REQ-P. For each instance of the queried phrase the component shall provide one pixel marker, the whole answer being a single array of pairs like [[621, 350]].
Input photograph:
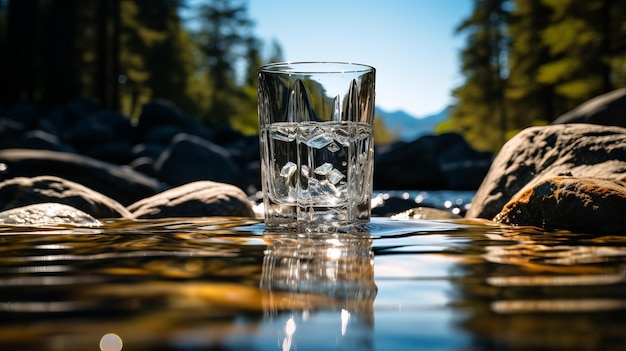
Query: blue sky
[[411, 43]]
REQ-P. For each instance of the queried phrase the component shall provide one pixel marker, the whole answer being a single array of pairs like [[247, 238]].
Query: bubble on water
[[324, 169], [335, 176], [333, 147], [318, 139], [288, 169]]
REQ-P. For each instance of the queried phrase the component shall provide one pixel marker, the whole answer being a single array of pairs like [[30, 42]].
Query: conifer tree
[[480, 112], [529, 101]]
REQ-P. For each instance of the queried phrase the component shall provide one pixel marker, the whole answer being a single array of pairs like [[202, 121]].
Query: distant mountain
[[408, 127]]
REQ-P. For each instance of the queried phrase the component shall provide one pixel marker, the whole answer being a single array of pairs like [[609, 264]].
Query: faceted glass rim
[[316, 67]]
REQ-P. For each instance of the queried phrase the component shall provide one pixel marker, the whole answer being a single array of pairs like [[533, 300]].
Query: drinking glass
[[316, 136]]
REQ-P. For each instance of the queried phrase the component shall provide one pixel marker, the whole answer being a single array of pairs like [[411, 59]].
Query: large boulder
[[105, 135], [581, 204], [607, 109], [191, 158], [539, 153], [197, 199], [444, 161], [22, 191], [120, 183], [160, 121]]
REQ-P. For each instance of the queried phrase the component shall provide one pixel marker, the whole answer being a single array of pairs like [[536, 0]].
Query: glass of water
[[315, 130]]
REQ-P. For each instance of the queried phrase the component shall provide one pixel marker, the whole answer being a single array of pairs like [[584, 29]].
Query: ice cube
[[304, 170], [327, 189], [314, 188], [324, 169], [335, 176], [288, 169], [318, 139]]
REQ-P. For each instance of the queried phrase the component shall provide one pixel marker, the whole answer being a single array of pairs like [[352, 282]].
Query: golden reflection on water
[[216, 283]]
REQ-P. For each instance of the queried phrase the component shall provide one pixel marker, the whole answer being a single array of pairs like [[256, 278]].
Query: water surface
[[229, 284]]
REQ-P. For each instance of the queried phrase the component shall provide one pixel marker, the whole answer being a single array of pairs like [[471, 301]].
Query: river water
[[230, 284]]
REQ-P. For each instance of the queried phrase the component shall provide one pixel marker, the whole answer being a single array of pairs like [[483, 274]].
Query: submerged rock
[[197, 199], [23, 191], [46, 214], [581, 204], [539, 153]]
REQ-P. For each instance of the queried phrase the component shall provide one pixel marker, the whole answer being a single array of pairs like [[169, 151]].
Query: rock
[[103, 134], [46, 214], [39, 139], [537, 153], [117, 182], [23, 114], [61, 120], [21, 191], [590, 205], [13, 122], [443, 161], [607, 109], [245, 152], [197, 199], [190, 158], [160, 120]]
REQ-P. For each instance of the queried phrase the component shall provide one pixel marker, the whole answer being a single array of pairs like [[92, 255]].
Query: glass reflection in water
[[319, 289]]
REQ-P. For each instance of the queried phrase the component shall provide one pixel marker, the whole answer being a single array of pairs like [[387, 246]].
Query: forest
[[525, 62]]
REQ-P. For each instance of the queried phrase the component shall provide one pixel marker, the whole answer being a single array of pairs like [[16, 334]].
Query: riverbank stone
[[581, 204], [196, 199], [120, 183], [47, 214], [539, 153], [25, 191], [607, 109], [444, 161]]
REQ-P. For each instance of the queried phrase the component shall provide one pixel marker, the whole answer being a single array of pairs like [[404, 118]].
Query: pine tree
[[480, 112], [529, 101]]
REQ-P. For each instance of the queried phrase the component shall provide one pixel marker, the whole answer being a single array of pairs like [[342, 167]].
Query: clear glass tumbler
[[316, 134]]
